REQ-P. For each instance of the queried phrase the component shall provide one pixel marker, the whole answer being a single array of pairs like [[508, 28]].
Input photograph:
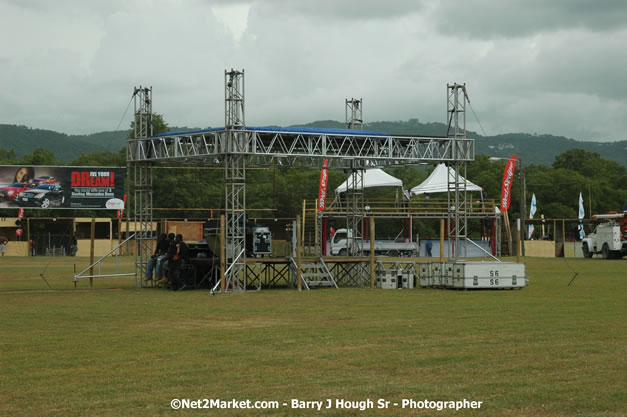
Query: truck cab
[[339, 243]]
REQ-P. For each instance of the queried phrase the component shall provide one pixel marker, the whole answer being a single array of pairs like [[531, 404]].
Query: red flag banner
[[322, 190], [20, 213], [121, 211], [508, 178]]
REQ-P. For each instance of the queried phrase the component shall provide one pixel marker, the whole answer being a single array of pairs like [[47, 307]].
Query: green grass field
[[547, 350]]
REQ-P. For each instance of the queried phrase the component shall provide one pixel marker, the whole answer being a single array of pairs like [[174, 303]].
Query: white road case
[[489, 275], [425, 275], [387, 279], [437, 280], [407, 278], [447, 274]]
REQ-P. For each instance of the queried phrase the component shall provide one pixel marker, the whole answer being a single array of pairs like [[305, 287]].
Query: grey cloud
[[341, 10], [69, 6], [517, 18], [587, 65], [302, 59], [574, 62]]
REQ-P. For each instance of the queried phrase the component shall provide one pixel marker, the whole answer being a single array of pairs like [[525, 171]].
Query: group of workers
[[170, 254]]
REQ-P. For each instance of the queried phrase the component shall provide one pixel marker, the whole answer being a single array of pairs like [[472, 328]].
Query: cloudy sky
[[533, 66]]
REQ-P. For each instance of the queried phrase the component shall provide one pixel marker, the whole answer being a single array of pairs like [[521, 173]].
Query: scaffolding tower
[[355, 186], [142, 182], [457, 196], [353, 112], [235, 180]]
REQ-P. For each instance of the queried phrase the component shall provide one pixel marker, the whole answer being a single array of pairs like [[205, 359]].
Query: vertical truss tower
[[355, 186], [355, 216], [142, 175], [457, 207], [235, 180], [354, 118]]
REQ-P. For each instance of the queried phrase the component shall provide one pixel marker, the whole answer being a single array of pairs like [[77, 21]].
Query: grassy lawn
[[547, 350]]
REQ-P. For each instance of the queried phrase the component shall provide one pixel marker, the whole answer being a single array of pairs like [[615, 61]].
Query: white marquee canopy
[[437, 182], [372, 178]]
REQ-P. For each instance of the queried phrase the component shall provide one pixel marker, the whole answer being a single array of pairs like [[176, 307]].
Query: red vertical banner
[[322, 190], [508, 178], [20, 213], [121, 212]]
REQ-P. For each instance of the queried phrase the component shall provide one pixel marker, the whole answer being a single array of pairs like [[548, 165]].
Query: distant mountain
[[24, 140], [532, 149]]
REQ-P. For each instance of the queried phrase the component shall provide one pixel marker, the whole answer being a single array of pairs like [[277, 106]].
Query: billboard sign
[[55, 187]]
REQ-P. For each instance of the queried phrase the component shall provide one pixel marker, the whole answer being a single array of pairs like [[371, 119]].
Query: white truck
[[339, 245], [607, 239]]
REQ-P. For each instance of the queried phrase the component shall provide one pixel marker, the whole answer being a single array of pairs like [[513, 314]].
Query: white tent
[[437, 182], [372, 178]]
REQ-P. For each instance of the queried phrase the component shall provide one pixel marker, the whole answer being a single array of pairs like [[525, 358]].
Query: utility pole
[[523, 207]]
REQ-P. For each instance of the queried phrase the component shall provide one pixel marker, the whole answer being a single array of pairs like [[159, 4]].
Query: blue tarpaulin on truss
[[315, 130]]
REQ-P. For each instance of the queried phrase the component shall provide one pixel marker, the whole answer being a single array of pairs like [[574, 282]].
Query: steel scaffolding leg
[[235, 205], [142, 195], [235, 181], [144, 233], [355, 218], [457, 213], [457, 207]]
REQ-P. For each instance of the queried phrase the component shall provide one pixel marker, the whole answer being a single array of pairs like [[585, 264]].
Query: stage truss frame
[[237, 147]]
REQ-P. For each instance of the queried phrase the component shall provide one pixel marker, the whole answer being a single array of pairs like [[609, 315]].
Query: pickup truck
[[339, 246]]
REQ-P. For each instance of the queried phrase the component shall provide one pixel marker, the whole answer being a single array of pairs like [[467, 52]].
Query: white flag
[[582, 213], [532, 211]]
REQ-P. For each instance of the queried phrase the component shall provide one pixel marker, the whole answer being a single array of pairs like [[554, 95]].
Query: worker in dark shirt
[[180, 257], [154, 262]]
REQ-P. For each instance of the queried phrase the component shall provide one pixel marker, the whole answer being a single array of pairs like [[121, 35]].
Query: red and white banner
[[322, 190], [508, 178], [20, 213], [121, 211]]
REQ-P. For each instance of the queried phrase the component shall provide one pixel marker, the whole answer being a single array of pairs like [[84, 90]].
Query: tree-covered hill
[[24, 140], [532, 149]]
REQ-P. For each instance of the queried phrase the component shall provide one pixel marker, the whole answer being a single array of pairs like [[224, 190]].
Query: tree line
[[603, 183]]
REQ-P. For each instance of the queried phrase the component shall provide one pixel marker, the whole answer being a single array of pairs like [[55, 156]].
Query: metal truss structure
[[356, 212], [236, 147], [269, 274], [142, 181], [457, 196], [355, 189], [272, 148], [235, 180], [354, 117], [355, 273]]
